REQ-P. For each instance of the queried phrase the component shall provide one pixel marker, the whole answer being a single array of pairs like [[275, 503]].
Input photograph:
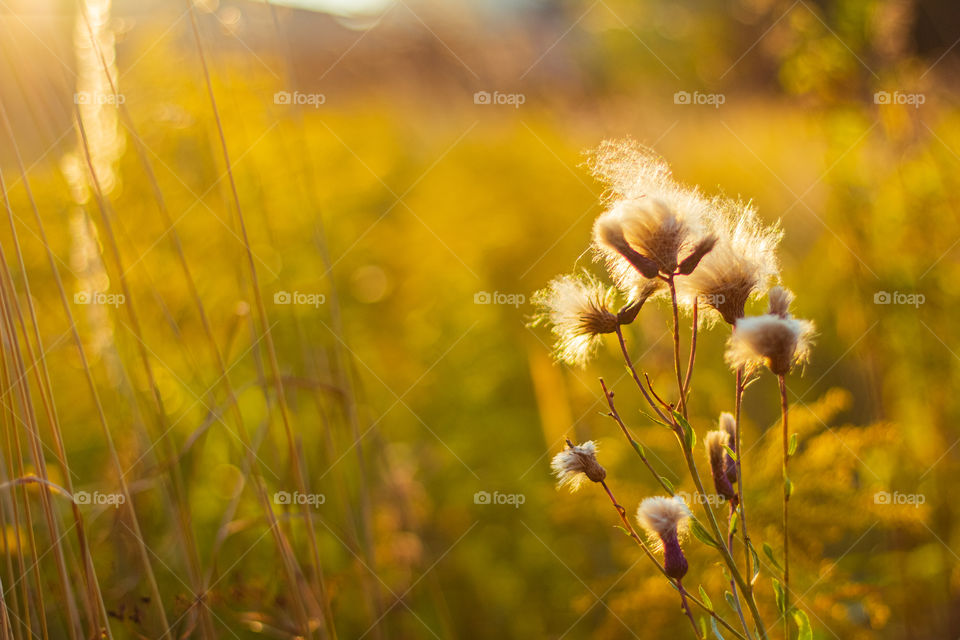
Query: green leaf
[[730, 452], [803, 624], [706, 598], [657, 420], [716, 630], [624, 530], [689, 435], [703, 627], [701, 534], [792, 447], [734, 520], [788, 487], [730, 600], [668, 484], [768, 550], [756, 562], [780, 595], [638, 448]]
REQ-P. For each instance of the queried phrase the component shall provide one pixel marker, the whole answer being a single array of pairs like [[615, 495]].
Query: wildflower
[[715, 441], [742, 263], [728, 424], [575, 463], [655, 225], [667, 519], [578, 308], [777, 339]]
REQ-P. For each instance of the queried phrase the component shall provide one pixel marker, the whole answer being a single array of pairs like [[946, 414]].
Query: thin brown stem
[[636, 377], [681, 403], [738, 405], [693, 353], [636, 445], [686, 608], [733, 583], [786, 500]]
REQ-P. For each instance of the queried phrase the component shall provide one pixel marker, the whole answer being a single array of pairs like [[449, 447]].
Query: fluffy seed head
[[654, 224], [779, 343], [780, 301], [728, 425], [666, 519], [742, 263], [663, 517], [715, 441], [578, 311], [575, 463]]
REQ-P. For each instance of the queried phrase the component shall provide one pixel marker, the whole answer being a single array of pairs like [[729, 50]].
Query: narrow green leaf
[[731, 453], [734, 520], [756, 563], [792, 447], [706, 598], [657, 420], [701, 534], [716, 630], [803, 624], [768, 550], [624, 530], [689, 435], [730, 600], [788, 487], [778, 592], [668, 484], [703, 627], [638, 448]]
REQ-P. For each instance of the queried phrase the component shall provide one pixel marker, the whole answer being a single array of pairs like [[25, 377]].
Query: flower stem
[[733, 583], [686, 608], [739, 448], [786, 500], [636, 377], [636, 445], [681, 402], [693, 354]]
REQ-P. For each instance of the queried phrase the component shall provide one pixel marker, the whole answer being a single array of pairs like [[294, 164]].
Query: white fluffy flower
[[578, 310], [777, 342], [576, 463]]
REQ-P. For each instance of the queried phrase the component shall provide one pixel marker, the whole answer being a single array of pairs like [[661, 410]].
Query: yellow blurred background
[[408, 174]]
